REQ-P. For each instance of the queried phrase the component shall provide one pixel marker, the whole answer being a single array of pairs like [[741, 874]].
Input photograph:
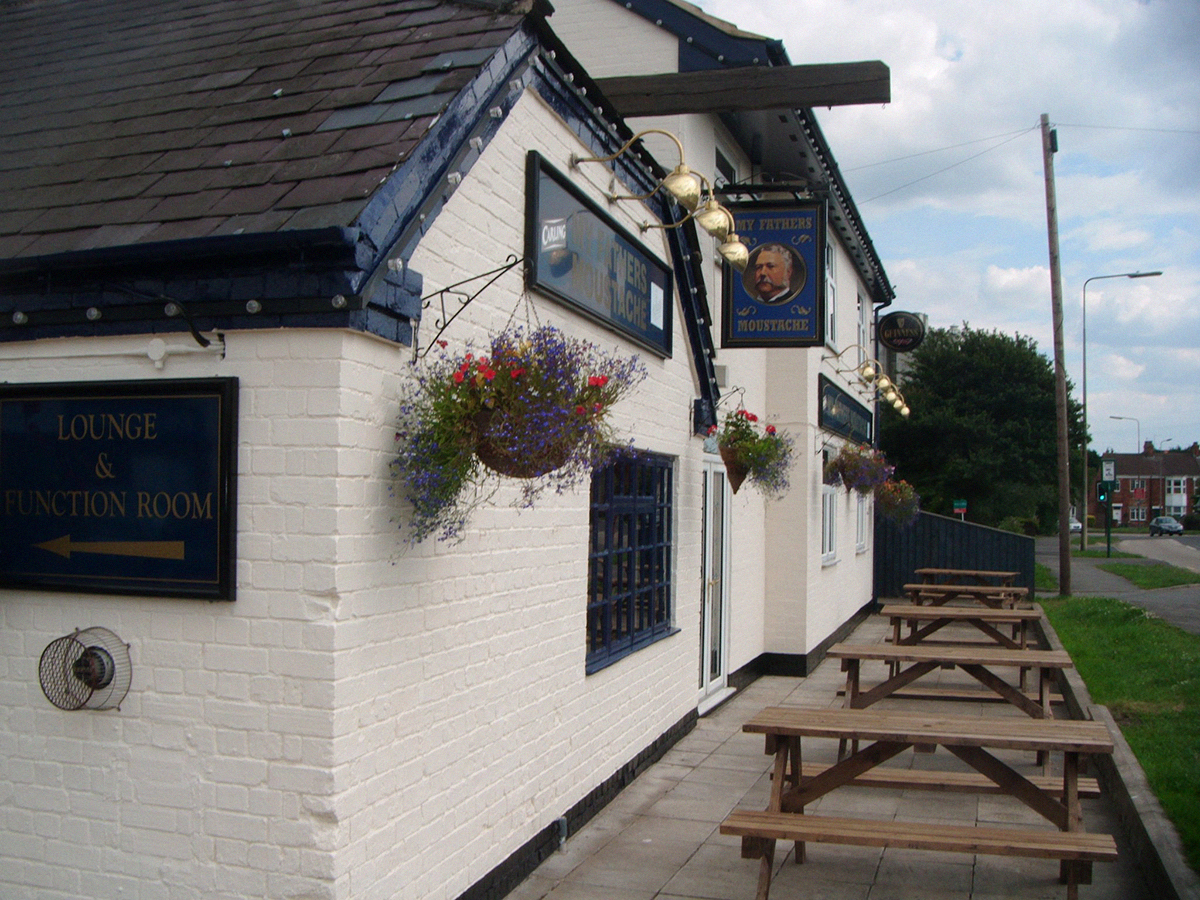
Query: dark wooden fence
[[945, 543]]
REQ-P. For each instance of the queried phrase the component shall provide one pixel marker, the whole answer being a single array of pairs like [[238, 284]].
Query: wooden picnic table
[[924, 621], [994, 595], [980, 576], [973, 740], [976, 661]]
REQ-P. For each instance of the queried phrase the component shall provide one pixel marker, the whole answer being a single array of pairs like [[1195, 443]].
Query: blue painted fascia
[[402, 210], [702, 45]]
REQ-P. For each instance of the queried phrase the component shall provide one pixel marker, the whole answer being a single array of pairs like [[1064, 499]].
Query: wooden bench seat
[[962, 613], [994, 595], [998, 841], [760, 829], [959, 695], [933, 780]]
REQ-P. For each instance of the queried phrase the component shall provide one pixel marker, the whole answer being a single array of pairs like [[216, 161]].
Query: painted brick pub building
[[226, 231]]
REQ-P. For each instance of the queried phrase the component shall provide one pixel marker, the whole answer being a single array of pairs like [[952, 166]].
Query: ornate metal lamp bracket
[[447, 311]]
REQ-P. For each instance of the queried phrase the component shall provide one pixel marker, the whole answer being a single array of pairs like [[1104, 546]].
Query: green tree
[[982, 427]]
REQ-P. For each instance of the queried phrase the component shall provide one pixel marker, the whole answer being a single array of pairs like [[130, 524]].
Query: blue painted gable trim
[[703, 45], [567, 95]]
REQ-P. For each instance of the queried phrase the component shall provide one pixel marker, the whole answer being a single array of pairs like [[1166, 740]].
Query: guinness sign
[[900, 331]]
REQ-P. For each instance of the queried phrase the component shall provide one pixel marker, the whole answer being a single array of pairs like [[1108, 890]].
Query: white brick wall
[[363, 721]]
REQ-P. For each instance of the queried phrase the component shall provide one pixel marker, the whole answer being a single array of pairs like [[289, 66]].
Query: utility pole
[[1049, 148]]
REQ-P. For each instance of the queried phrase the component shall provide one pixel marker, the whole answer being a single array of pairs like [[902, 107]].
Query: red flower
[[458, 377], [597, 380], [580, 410], [597, 407], [517, 373], [443, 344], [770, 429], [712, 429]]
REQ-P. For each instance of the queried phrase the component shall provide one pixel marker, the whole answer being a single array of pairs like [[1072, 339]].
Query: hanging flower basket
[[858, 467], [534, 407], [898, 501], [735, 470], [522, 458], [764, 455]]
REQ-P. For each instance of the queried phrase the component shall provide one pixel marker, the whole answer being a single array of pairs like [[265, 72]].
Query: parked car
[[1075, 525], [1165, 525]]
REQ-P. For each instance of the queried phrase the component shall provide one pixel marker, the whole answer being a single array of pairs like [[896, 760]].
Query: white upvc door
[[714, 606]]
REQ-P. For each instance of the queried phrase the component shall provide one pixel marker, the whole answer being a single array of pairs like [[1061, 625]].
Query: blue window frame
[[629, 558]]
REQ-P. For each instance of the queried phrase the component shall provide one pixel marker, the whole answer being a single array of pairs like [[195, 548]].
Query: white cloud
[[962, 230]]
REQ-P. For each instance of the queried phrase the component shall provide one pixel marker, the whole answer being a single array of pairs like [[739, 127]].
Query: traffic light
[[1102, 491]]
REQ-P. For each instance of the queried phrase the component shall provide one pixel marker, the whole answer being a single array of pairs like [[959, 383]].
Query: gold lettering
[[108, 427]]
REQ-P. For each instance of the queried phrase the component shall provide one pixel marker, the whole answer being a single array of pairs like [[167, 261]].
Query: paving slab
[[663, 843]]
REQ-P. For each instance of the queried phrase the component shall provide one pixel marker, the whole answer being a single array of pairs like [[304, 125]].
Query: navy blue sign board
[[839, 412], [779, 300], [580, 255], [120, 487]]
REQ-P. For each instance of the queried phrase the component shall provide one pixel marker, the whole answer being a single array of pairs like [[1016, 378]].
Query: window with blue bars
[[629, 558]]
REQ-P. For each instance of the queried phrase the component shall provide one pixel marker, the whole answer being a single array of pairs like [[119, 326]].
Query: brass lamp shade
[[715, 219], [684, 185], [735, 252]]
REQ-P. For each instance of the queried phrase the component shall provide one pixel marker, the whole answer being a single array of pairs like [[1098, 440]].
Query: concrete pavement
[[659, 839]]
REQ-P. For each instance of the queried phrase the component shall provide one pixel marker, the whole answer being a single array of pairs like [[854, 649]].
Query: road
[[1178, 605]]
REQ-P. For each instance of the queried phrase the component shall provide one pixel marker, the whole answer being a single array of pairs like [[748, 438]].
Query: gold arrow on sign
[[145, 549]]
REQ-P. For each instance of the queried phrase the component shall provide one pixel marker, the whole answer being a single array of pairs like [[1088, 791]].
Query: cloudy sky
[[950, 181]]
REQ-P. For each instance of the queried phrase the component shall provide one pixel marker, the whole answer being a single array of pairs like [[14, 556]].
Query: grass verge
[[1154, 575], [1147, 673]]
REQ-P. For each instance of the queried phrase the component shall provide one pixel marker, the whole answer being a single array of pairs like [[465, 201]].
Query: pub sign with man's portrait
[[779, 300]]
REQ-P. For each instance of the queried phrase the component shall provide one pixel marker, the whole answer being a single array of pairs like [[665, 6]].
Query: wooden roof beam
[[750, 88]]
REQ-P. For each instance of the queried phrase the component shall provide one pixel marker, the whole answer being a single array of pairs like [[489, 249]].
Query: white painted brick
[[310, 738]]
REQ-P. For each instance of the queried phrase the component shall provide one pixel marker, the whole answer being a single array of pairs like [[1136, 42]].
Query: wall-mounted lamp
[[870, 374], [688, 188], [683, 184]]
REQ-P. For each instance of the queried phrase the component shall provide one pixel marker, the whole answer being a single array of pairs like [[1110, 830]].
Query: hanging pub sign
[[900, 331], [576, 252], [839, 412], [119, 487], [779, 300]]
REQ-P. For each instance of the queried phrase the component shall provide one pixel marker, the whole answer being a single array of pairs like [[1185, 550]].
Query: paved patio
[[659, 838]]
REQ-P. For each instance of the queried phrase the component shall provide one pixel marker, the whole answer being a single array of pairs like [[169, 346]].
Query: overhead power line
[[884, 162], [1013, 136]]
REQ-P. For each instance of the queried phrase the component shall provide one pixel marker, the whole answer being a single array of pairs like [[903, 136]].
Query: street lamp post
[[1139, 429], [1083, 494]]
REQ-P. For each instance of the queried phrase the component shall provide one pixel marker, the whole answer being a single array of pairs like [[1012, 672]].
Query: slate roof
[[143, 121]]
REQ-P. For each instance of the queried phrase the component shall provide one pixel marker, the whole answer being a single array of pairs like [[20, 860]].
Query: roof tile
[[173, 125]]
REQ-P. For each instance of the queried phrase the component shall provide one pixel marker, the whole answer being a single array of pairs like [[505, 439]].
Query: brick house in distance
[[1152, 483]]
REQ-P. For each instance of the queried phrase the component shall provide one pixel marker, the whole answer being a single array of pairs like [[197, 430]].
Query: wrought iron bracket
[[447, 312]]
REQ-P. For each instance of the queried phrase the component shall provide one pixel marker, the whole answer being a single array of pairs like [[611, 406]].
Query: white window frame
[[862, 523], [829, 497], [830, 289], [864, 328]]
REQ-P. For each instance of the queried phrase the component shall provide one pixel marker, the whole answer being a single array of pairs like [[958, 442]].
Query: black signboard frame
[[795, 315], [839, 412], [581, 256], [120, 487]]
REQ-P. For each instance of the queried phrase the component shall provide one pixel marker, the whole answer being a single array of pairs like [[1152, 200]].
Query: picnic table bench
[[978, 662], [981, 576], [924, 621], [971, 739], [994, 595]]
